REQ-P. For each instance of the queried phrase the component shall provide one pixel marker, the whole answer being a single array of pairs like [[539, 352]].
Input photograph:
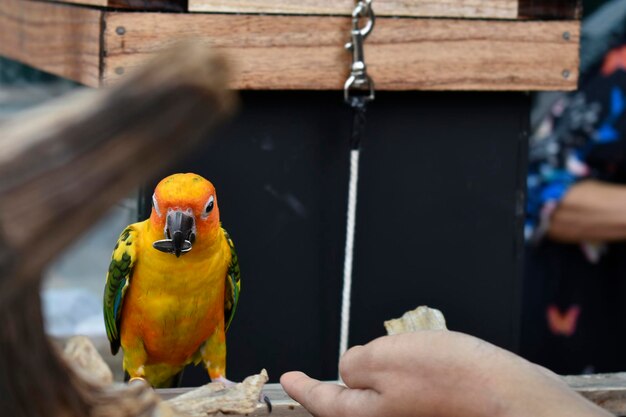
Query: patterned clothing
[[581, 138], [574, 317]]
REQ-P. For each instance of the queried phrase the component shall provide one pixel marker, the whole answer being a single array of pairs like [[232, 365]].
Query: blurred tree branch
[[61, 167]]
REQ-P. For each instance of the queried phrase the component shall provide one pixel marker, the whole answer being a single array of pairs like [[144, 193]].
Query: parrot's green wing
[[233, 284], [118, 280]]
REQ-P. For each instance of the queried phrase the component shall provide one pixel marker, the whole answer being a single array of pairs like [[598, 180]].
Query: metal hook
[[363, 9], [359, 80]]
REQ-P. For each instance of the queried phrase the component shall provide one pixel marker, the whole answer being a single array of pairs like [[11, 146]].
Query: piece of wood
[[306, 52], [156, 5], [297, 52], [422, 318], [606, 390], [61, 168], [82, 355], [484, 9], [282, 404], [215, 397], [96, 3], [467, 9], [60, 39]]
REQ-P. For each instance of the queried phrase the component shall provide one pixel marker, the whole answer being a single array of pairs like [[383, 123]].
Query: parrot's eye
[[156, 205], [209, 205]]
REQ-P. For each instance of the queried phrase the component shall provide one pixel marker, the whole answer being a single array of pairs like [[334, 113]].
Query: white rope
[[349, 252]]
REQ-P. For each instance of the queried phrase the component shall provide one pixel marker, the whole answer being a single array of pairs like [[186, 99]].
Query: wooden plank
[[606, 390], [97, 3], [306, 52], [59, 39], [155, 5], [496, 9]]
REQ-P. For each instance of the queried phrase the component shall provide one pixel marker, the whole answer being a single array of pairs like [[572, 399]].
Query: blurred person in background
[[574, 312]]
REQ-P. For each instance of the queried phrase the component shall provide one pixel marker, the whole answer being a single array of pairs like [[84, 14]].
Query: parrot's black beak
[[180, 228]]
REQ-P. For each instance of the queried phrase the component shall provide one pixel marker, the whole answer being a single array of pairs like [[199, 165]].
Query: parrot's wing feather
[[233, 284], [118, 279]]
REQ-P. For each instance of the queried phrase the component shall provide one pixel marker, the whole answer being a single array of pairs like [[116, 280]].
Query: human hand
[[438, 374]]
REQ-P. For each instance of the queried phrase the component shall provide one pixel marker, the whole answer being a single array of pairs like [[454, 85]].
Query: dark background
[[439, 220]]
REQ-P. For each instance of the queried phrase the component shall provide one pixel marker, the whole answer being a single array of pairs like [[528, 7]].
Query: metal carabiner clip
[[363, 9], [359, 80]]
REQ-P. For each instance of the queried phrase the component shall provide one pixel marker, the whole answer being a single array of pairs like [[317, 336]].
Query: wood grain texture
[[606, 390], [306, 52], [215, 397], [282, 404], [496, 9], [155, 5], [60, 39], [97, 3]]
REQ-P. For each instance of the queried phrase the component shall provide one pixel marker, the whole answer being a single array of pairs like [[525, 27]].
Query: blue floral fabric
[[581, 137]]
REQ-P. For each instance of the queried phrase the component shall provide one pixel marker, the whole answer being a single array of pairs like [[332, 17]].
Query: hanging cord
[[358, 91]]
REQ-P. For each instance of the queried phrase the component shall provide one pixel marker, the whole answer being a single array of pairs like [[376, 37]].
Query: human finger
[[357, 368], [324, 399]]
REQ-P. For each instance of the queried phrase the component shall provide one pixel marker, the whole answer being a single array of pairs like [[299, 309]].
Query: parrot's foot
[[228, 383]]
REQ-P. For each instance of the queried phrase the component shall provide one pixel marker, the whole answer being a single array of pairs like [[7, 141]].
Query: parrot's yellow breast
[[174, 304]]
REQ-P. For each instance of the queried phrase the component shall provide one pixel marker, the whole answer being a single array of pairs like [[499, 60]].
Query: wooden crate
[[288, 44]]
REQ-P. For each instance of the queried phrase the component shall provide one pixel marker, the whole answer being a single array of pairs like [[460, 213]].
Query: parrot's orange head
[[184, 206]]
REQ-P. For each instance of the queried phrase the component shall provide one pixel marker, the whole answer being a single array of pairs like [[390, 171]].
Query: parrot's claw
[[265, 399]]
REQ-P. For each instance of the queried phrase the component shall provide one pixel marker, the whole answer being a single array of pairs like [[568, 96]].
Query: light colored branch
[[138, 399], [212, 398], [83, 357]]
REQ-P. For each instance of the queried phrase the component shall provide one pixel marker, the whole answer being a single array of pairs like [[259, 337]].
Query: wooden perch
[[61, 168], [81, 354], [212, 398]]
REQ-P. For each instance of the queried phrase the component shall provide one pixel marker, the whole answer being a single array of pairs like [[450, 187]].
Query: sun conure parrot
[[173, 285]]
